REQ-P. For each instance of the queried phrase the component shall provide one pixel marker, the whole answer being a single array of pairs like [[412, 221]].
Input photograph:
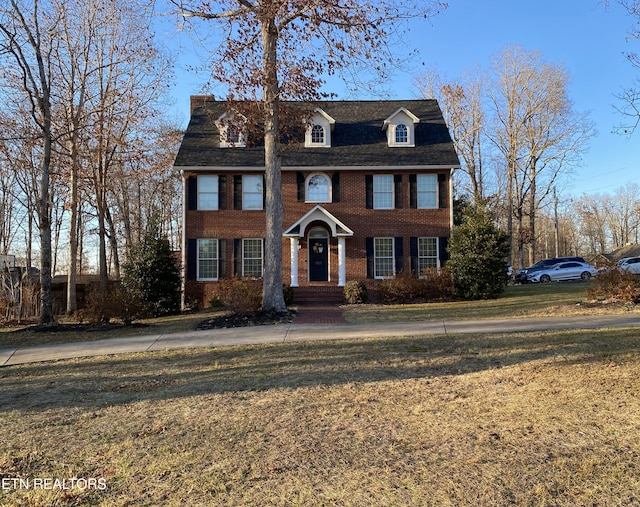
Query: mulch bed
[[259, 318]]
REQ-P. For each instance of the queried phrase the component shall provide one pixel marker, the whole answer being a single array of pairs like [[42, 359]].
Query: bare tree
[[26, 36], [630, 96], [275, 50], [462, 106], [538, 133]]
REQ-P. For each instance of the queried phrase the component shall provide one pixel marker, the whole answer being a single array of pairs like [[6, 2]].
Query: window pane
[[318, 189], [252, 257], [427, 191], [383, 191], [317, 134], [207, 192], [402, 134], [383, 257], [207, 259], [252, 192], [427, 253]]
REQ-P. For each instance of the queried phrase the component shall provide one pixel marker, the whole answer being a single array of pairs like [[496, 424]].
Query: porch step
[[315, 295]]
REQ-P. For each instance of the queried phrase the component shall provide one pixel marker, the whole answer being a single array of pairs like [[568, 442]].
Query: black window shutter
[[413, 248], [300, 184], [399, 255], [237, 257], [370, 258], [222, 192], [335, 187], [222, 257], [264, 191], [443, 255], [443, 194], [192, 259], [192, 193], [413, 191], [397, 188], [237, 192], [369, 190]]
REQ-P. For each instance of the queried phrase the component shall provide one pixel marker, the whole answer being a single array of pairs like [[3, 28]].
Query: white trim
[[293, 243], [342, 264], [321, 214]]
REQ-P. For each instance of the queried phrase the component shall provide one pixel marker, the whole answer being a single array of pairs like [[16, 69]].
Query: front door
[[318, 259]]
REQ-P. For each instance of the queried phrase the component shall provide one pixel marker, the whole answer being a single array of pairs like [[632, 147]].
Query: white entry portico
[[300, 229]]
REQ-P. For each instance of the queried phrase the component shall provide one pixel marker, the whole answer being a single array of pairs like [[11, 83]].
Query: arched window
[[318, 188], [317, 134], [402, 134]]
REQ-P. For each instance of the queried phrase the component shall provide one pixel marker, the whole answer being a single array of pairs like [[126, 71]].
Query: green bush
[[477, 251], [615, 285], [355, 292], [152, 273]]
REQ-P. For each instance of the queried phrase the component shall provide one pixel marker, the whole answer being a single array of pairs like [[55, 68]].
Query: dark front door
[[318, 259]]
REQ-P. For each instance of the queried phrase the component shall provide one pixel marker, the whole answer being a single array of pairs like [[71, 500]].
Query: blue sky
[[581, 35]]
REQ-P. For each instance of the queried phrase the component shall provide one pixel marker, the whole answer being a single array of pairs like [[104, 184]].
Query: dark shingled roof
[[357, 139]]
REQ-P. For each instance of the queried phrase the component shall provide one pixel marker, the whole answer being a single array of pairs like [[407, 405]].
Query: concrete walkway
[[300, 332]]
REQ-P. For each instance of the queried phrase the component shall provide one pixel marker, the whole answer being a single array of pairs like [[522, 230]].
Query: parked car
[[630, 265], [522, 275], [564, 271]]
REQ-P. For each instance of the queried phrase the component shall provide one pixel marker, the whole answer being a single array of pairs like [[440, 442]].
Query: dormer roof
[[392, 118]]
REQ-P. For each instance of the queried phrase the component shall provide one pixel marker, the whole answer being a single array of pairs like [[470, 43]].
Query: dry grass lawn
[[531, 419]]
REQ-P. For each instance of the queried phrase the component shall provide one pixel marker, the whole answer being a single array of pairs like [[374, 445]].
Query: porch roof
[[318, 213]]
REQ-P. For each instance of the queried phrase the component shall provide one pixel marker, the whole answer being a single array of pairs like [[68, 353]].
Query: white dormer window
[[401, 128], [402, 134], [231, 130], [318, 134]]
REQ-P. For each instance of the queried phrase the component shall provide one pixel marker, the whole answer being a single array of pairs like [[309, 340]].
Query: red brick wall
[[351, 210]]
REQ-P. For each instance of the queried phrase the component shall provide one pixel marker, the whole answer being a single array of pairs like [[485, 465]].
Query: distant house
[[366, 189]]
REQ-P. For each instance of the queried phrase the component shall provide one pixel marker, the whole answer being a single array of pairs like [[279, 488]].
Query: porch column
[[342, 267], [294, 261]]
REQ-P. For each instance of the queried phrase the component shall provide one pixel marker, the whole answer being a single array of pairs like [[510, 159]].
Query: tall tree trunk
[[272, 295], [72, 300], [46, 306]]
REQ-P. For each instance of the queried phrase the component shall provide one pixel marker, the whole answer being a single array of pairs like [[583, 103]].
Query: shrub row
[[615, 285]]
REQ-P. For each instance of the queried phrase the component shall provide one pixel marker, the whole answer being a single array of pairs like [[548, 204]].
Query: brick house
[[366, 193]]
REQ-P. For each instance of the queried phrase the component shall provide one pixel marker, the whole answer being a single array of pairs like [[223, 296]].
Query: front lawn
[[545, 418]]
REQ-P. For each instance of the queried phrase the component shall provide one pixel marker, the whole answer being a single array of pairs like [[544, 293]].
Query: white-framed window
[[318, 188], [317, 134], [208, 257], [207, 192], [232, 130], [427, 190], [383, 191], [402, 134], [384, 258], [252, 192], [427, 254], [252, 257]]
